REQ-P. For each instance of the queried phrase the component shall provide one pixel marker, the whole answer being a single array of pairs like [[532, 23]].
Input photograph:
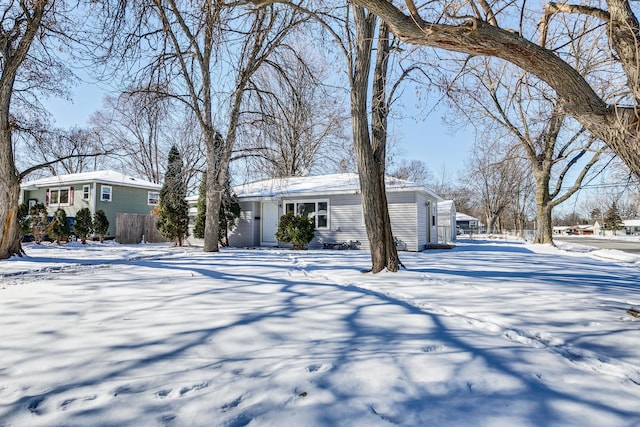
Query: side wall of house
[[244, 234], [346, 221], [403, 212], [123, 200], [422, 221]]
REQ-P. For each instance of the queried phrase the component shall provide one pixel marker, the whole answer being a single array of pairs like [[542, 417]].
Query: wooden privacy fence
[[130, 228]]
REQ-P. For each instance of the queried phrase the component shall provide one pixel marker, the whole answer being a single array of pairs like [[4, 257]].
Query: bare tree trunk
[[9, 191], [544, 230], [15, 43], [371, 150]]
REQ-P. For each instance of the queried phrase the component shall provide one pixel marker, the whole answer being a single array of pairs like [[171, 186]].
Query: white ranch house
[[335, 204]]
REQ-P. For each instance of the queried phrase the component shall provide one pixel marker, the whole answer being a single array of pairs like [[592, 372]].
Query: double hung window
[[105, 193]]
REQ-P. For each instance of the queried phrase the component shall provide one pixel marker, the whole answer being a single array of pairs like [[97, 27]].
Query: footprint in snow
[[34, 405], [167, 419], [319, 367], [434, 348], [233, 404], [195, 387], [68, 402], [163, 393]]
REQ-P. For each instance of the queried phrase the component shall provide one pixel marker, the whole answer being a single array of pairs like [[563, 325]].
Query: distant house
[[334, 202], [572, 230], [632, 226], [467, 224], [111, 191], [446, 221]]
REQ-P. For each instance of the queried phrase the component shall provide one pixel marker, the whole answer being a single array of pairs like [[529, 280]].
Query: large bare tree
[[20, 25], [143, 127], [205, 55], [296, 121], [497, 178], [366, 45], [474, 27], [517, 107], [486, 28]]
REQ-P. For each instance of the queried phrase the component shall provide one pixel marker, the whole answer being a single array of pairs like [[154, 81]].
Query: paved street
[[622, 245]]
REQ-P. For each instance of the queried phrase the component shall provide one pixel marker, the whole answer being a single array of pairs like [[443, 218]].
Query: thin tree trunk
[[213, 195]]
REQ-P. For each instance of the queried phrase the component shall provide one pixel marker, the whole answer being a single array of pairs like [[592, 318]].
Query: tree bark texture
[[543, 206]]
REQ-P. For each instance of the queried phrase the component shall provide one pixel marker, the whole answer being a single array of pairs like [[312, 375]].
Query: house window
[[318, 210], [86, 192], [59, 196], [153, 198], [105, 193]]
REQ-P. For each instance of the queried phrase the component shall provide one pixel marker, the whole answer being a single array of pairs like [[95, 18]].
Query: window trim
[[86, 192], [102, 193], [58, 191], [295, 202], [149, 193]]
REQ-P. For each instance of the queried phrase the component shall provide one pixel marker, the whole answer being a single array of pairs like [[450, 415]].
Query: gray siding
[[402, 211], [243, 234], [346, 222]]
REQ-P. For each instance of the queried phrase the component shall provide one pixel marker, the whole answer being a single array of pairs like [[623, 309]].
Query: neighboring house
[[572, 230], [446, 221], [467, 224], [110, 191], [560, 230], [599, 230], [632, 226], [334, 203]]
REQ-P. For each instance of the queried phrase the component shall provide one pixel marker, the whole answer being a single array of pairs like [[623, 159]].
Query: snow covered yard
[[491, 333]]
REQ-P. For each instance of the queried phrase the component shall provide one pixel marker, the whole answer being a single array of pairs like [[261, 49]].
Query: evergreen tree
[[23, 218], [229, 214], [173, 212], [100, 224], [198, 226], [298, 230], [59, 227], [83, 226], [38, 221], [612, 220]]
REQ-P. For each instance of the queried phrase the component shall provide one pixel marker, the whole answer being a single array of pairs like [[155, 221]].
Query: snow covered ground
[[491, 333]]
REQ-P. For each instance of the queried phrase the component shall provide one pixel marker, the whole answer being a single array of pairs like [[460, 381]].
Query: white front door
[[269, 223]]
